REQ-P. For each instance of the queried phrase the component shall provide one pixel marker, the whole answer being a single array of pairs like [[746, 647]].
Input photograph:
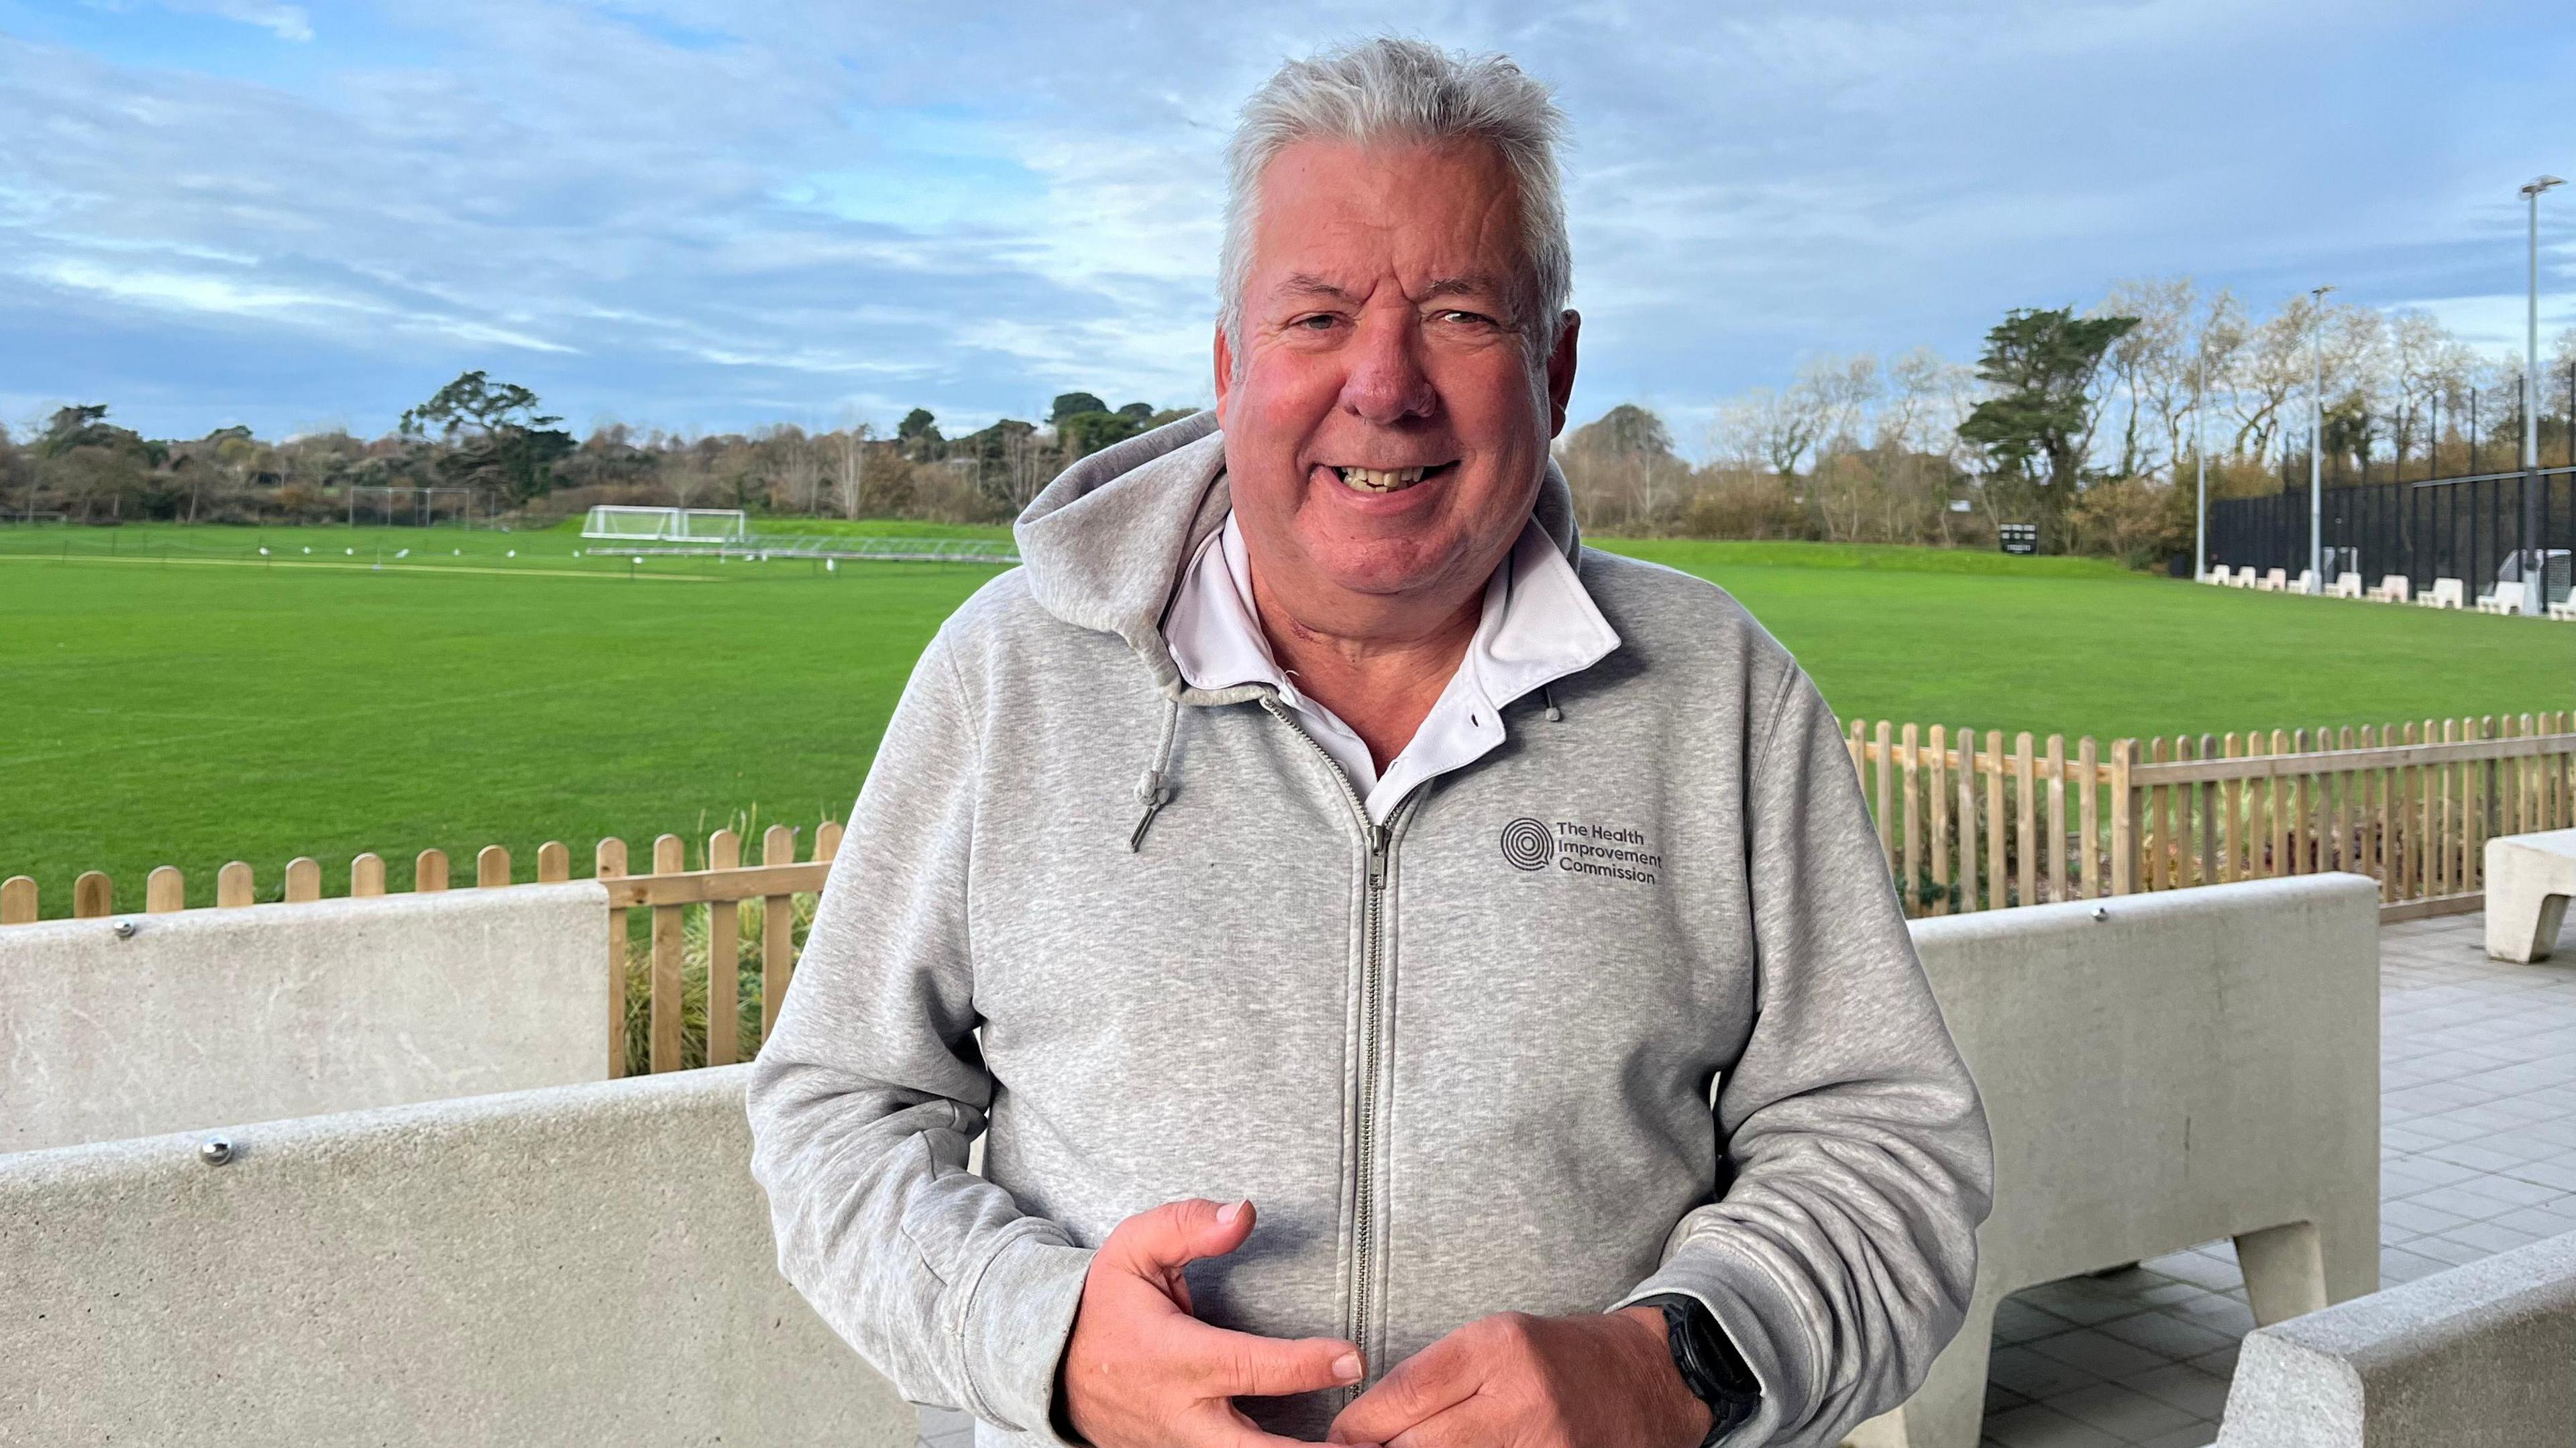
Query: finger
[[1431, 1381], [1226, 1427], [1174, 1234], [1243, 1364]]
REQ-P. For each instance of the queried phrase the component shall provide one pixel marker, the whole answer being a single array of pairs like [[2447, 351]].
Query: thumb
[[1177, 1233]]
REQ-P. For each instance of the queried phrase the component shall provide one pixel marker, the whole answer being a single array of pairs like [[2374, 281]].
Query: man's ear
[[1560, 371], [1225, 377]]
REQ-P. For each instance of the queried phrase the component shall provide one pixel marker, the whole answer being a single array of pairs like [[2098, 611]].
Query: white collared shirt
[[1538, 626]]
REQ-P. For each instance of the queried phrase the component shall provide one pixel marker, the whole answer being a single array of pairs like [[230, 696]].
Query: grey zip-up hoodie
[[1463, 1063]]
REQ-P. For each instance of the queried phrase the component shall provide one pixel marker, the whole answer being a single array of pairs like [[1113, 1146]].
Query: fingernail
[[1230, 1213], [1347, 1367]]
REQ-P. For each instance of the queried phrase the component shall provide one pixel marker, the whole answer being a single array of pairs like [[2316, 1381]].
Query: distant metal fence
[[2465, 528], [762, 548]]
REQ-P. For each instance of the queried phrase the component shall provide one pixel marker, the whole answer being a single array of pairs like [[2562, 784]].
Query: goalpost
[[619, 523], [424, 507]]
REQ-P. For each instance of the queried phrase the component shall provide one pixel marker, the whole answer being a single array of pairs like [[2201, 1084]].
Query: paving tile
[[2213, 1271], [2097, 1352], [2121, 1412], [2223, 1314], [2165, 1335], [2186, 1387], [2413, 1217], [2019, 1321], [2033, 1376], [2203, 1433], [2037, 1425], [2492, 1237], [2398, 1264]]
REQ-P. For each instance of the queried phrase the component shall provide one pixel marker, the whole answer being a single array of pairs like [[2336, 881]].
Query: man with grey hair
[[1417, 980]]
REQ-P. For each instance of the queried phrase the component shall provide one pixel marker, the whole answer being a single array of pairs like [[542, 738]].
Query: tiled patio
[[2477, 1156]]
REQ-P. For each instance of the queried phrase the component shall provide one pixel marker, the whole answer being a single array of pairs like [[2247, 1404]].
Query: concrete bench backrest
[[2195, 1064], [2481, 1356], [576, 1266], [208, 1017]]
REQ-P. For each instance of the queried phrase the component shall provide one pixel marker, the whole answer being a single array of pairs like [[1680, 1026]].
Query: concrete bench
[[2346, 585], [2306, 582], [2193, 1064], [576, 1266], [2481, 1356], [2275, 580], [2245, 576], [2445, 593], [2529, 878], [2393, 588], [140, 1024]]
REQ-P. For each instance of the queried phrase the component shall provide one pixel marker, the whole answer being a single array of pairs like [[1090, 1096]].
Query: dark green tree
[[494, 435], [917, 423], [1070, 404], [2034, 430]]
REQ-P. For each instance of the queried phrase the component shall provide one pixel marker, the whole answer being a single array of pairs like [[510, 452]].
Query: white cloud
[[679, 210]]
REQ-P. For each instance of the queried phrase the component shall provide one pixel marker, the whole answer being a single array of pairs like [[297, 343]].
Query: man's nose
[[1386, 382]]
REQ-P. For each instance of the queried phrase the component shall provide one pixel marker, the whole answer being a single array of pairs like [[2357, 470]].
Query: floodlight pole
[[2200, 464], [2535, 569], [2317, 445]]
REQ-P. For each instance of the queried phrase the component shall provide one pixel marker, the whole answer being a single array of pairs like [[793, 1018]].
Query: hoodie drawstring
[[1548, 692], [1151, 791]]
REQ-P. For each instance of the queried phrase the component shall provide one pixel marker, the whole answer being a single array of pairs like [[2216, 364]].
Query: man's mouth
[[1387, 480]]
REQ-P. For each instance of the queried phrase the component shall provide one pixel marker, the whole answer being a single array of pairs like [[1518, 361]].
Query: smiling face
[[1387, 432]]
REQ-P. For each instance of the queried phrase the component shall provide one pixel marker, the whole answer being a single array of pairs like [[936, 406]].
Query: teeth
[[1381, 480]]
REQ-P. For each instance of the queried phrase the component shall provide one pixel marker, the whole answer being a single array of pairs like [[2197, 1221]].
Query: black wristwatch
[[1709, 1364]]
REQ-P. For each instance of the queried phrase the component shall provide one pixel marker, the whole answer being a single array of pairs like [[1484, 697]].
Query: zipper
[[1380, 839]]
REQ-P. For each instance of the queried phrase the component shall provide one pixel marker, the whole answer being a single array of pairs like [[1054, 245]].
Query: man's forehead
[[1355, 288]]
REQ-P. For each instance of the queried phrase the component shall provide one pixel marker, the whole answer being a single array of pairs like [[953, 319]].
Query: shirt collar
[[1538, 625]]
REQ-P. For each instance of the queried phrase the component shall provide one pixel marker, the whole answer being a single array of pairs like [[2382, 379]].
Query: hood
[[1103, 545]]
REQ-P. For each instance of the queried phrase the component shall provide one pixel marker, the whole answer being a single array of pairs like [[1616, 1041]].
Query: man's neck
[[1379, 681]]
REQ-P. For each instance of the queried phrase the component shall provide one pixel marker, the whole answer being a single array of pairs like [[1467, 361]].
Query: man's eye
[[1466, 318], [1317, 323]]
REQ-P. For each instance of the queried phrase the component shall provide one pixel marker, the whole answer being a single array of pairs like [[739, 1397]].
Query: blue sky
[[706, 216]]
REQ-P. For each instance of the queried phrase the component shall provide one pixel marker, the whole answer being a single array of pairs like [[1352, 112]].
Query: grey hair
[[1390, 89]]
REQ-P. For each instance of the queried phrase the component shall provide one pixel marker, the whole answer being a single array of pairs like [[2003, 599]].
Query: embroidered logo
[[1526, 844], [1583, 847]]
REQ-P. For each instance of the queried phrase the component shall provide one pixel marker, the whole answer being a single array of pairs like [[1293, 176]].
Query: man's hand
[[1599, 1380], [1141, 1372]]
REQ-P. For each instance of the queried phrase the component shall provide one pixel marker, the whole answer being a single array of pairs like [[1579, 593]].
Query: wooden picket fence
[[667, 893], [1968, 822], [1971, 824]]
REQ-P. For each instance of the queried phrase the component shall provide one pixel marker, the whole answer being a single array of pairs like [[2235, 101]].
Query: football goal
[[620, 524]]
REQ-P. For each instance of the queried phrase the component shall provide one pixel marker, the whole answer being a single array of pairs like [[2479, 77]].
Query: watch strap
[[1708, 1363]]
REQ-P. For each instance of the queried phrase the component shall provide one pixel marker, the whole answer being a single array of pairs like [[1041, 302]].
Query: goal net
[[622, 524]]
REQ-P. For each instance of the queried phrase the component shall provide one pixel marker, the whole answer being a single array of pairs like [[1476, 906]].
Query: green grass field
[[170, 696]]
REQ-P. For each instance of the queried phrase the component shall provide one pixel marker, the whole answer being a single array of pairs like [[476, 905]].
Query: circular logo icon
[[1525, 844]]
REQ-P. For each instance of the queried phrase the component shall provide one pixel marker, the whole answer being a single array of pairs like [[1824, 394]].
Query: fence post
[[2124, 819], [93, 895], [2088, 765], [303, 879], [366, 875], [777, 930], [234, 886], [429, 872], [554, 863], [17, 900], [491, 868], [609, 863], [724, 954], [164, 890], [670, 857], [1936, 795], [1912, 826], [2057, 818], [1967, 738]]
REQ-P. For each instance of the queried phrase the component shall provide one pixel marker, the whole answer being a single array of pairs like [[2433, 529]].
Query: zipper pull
[[1377, 837]]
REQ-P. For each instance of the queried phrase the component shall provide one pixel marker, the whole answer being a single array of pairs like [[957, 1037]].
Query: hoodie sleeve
[[1841, 1257], [863, 1100]]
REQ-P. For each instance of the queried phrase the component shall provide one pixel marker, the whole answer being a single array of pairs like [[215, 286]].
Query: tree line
[[491, 441], [2086, 421]]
